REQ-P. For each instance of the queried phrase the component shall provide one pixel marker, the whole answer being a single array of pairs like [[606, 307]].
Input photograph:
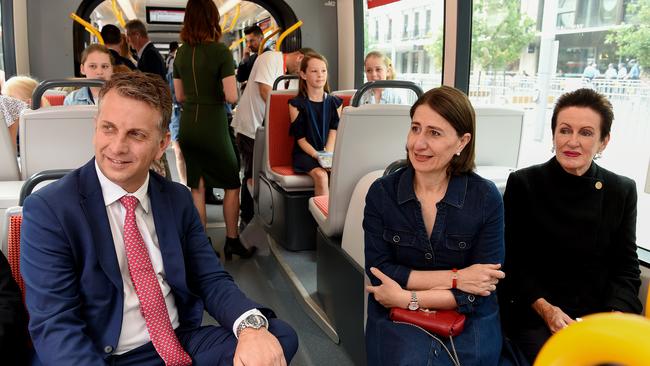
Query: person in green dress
[[204, 80]]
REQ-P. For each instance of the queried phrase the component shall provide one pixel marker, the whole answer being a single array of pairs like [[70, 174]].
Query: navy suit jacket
[[151, 61], [74, 291]]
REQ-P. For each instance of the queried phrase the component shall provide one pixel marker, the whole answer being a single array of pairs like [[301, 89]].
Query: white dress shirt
[[134, 331]]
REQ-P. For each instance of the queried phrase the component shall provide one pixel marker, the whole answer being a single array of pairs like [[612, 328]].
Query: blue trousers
[[208, 345]]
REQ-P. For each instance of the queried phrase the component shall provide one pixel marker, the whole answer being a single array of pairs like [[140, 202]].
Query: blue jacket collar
[[456, 190]]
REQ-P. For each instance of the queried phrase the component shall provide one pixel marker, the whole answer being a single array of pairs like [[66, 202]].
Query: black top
[[13, 319], [571, 240], [151, 61], [315, 120], [121, 60], [245, 67]]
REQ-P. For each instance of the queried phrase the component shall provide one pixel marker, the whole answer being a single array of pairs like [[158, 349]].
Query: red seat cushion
[[280, 143], [322, 202], [55, 99], [346, 99], [13, 251]]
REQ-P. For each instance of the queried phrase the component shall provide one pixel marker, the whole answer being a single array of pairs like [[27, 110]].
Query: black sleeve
[[13, 318], [152, 62], [298, 126], [245, 67], [624, 280]]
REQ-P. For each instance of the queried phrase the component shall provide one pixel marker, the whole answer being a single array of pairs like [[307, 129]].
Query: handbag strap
[[454, 356]]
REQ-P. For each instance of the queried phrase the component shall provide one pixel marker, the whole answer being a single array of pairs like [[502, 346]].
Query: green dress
[[204, 136]]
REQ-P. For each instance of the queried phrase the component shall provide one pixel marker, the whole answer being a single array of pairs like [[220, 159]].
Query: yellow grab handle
[[234, 20], [236, 43], [118, 13], [286, 33], [261, 48], [88, 27]]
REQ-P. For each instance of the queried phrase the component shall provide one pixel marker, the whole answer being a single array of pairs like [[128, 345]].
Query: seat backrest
[[8, 162], [56, 138], [369, 138], [279, 144], [353, 240], [498, 135], [11, 243], [345, 95]]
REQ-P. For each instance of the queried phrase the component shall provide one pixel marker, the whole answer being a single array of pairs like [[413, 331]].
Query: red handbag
[[444, 323]]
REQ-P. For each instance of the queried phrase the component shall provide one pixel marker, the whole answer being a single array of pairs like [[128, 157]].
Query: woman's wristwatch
[[413, 304]]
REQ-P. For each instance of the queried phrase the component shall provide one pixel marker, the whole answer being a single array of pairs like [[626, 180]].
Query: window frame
[[8, 39]]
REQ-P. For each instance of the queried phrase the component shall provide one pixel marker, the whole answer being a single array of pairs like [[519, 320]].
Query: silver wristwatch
[[252, 321], [413, 304]]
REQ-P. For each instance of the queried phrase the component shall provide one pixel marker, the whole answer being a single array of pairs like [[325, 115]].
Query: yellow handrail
[[234, 20], [223, 24], [236, 43], [118, 13], [88, 27], [286, 33], [261, 48]]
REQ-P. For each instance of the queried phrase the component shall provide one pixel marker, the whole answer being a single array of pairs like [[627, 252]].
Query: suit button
[[462, 245], [428, 256], [471, 298], [396, 239], [108, 349]]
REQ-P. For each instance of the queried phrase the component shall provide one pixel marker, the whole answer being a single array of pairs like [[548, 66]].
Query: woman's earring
[[553, 149], [458, 153], [598, 155]]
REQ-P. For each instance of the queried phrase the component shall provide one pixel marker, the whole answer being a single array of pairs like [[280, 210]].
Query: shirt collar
[[112, 192], [455, 195], [141, 50]]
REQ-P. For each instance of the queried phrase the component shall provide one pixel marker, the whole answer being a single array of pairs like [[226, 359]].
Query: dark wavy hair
[[454, 106], [201, 22], [587, 98]]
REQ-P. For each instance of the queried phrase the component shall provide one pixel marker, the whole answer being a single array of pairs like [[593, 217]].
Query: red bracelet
[[454, 277]]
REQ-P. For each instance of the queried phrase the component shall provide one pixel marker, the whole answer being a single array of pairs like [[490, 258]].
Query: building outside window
[[416, 25], [405, 29]]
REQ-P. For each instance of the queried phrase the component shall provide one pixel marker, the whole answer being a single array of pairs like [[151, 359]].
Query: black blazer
[[570, 240], [151, 61]]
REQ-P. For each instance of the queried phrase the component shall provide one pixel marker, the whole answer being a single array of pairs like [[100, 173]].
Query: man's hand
[[258, 347], [389, 293], [553, 316]]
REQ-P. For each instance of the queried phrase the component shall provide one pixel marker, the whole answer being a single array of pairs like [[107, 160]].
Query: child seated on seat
[[96, 63], [314, 119], [379, 67]]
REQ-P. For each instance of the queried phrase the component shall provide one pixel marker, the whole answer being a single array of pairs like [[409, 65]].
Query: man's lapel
[[92, 203]]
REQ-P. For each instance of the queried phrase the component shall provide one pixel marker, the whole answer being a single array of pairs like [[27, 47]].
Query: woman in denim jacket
[[422, 224]]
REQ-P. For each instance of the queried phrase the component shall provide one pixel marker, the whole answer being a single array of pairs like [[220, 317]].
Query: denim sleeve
[[377, 251], [489, 247]]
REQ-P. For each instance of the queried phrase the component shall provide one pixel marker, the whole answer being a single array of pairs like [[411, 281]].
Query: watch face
[[413, 306]]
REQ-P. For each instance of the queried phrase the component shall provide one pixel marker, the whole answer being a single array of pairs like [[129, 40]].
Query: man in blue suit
[[112, 282]]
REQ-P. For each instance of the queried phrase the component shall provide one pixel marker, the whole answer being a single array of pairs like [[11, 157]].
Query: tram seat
[[55, 99], [356, 153], [56, 138], [502, 125], [8, 161], [13, 219]]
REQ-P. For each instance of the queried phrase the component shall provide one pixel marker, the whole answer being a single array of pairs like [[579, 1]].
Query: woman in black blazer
[[570, 230]]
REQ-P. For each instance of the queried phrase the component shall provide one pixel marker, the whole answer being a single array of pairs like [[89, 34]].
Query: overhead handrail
[[380, 84], [261, 48], [88, 27], [118, 13], [55, 83], [286, 33], [37, 178], [283, 77], [236, 43], [234, 19], [223, 23]]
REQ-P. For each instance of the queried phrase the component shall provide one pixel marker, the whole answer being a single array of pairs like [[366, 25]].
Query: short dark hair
[[454, 106], [136, 25], [586, 98], [292, 43], [111, 34], [173, 46], [144, 87], [255, 30]]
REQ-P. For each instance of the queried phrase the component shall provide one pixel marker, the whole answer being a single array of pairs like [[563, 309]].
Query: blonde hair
[[22, 87], [390, 72]]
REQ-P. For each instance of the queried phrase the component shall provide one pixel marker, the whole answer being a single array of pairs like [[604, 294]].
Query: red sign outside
[[376, 3]]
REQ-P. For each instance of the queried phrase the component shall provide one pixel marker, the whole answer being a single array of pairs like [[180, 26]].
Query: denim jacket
[[81, 96], [468, 229]]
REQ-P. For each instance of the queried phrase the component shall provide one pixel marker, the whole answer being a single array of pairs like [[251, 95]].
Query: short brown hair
[[144, 87], [201, 22], [586, 98], [454, 106], [302, 84], [96, 47], [136, 25]]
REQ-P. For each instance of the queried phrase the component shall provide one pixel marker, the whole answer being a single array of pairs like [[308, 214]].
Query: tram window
[[2, 52], [513, 64], [416, 51]]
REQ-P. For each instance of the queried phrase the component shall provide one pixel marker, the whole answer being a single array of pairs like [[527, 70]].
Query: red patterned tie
[[152, 302]]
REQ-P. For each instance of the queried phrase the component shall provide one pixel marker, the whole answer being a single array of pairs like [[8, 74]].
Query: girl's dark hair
[[302, 83], [454, 106], [587, 98], [201, 22]]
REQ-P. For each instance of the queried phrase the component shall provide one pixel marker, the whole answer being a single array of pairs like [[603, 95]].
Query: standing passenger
[[379, 67], [314, 119], [113, 41], [204, 79], [254, 37], [175, 123], [424, 222], [96, 63], [149, 59], [252, 106]]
